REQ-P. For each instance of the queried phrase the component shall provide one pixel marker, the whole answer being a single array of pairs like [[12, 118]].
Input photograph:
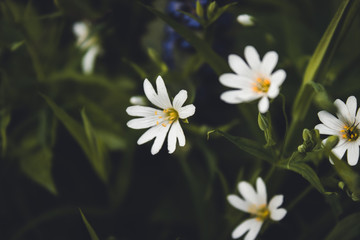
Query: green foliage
[[69, 147], [86, 138]]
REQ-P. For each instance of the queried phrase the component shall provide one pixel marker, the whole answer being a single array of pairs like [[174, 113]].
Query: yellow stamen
[[262, 213], [351, 133], [169, 117], [261, 85]]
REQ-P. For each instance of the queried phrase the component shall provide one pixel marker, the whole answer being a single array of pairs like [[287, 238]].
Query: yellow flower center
[[170, 115], [350, 133], [261, 85], [262, 213]]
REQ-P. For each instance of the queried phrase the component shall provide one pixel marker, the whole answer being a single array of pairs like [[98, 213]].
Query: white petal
[[186, 111], [278, 214], [343, 112], [234, 81], [273, 91], [238, 65], [339, 151], [330, 121], [141, 111], [254, 230], [263, 104], [351, 104], [80, 29], [358, 116], [140, 123], [159, 140], [261, 191], [269, 62], [245, 20], [175, 133], [353, 154], [278, 77], [248, 192], [275, 202], [252, 57], [323, 129], [149, 134], [180, 99], [162, 93], [251, 224], [151, 94], [238, 203], [88, 60], [238, 96]]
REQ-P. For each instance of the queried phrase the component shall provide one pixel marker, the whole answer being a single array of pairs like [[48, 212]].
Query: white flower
[[345, 126], [253, 80], [255, 203], [245, 20], [163, 120], [87, 43]]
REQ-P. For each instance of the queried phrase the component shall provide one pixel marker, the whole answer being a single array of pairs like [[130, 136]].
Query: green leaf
[[81, 136], [98, 153], [347, 229], [304, 170], [36, 164], [249, 146], [334, 33], [90, 229], [201, 46], [215, 13], [158, 61], [199, 9]]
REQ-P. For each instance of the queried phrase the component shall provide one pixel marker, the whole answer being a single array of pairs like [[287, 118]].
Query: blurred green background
[[65, 144]]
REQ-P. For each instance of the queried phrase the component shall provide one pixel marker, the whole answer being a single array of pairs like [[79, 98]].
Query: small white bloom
[[138, 100], [163, 120], [87, 43], [345, 126], [245, 20], [255, 203], [253, 80]]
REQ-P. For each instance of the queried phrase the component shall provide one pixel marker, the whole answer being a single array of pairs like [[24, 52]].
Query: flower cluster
[[252, 78]]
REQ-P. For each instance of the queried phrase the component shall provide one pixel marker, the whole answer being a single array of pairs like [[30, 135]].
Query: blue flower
[[172, 38]]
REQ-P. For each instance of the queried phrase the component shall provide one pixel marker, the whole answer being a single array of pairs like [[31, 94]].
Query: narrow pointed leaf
[[97, 158], [304, 170], [90, 229], [80, 135], [36, 164]]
